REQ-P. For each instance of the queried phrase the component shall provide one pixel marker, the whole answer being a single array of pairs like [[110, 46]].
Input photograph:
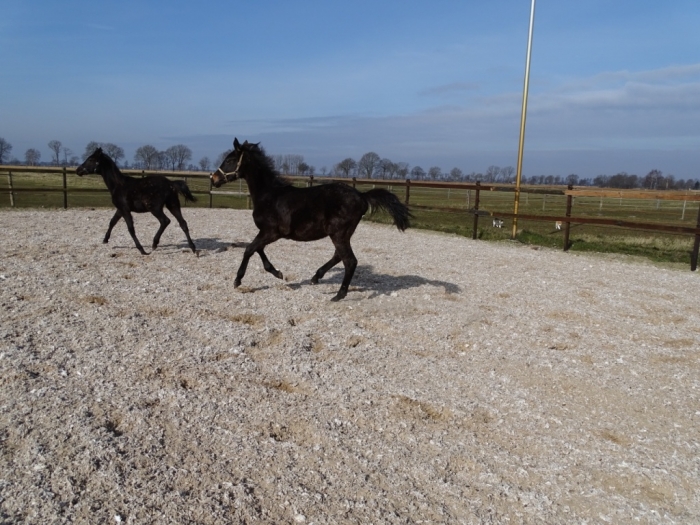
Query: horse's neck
[[259, 185], [112, 176]]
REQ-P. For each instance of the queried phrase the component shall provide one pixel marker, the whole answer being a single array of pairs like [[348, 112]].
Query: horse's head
[[233, 166], [91, 164]]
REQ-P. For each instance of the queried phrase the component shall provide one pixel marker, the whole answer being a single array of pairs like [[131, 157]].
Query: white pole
[[523, 114]]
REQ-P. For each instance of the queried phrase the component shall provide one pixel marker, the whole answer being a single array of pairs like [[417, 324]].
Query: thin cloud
[[456, 88]]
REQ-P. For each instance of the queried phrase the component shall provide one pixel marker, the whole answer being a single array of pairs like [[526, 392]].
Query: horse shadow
[[366, 279], [209, 245]]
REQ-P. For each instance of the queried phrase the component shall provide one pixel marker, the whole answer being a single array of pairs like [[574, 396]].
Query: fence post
[[210, 195], [696, 246], [185, 200], [476, 210], [354, 181], [567, 228], [408, 191], [311, 180], [9, 183], [65, 190]]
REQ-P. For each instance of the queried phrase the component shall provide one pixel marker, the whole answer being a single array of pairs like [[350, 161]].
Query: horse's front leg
[[257, 245], [130, 226], [268, 265], [112, 223]]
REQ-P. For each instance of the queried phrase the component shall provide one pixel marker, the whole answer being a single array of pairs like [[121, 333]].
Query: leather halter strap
[[232, 175]]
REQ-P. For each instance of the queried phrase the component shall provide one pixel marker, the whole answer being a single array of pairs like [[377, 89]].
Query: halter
[[232, 175]]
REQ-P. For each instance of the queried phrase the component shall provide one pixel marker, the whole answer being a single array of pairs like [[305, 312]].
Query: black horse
[[130, 194], [281, 211]]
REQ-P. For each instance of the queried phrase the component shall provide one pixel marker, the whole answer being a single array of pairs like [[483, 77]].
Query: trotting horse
[[129, 194], [281, 211]]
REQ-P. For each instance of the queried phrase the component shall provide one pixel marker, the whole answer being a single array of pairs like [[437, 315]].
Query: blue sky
[[615, 85]]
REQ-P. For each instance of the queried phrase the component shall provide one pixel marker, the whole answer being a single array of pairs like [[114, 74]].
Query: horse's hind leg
[[175, 210], [164, 221], [112, 223], [343, 249], [323, 269], [130, 226]]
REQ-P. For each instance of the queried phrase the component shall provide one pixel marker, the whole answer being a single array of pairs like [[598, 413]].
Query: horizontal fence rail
[[471, 193]]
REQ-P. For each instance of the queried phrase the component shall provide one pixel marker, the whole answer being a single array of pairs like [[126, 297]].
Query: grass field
[[656, 246]]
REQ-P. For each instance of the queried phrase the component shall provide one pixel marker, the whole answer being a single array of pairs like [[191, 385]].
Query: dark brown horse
[[281, 211], [148, 194]]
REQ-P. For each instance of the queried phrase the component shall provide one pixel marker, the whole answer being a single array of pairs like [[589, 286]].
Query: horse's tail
[[182, 188], [387, 201]]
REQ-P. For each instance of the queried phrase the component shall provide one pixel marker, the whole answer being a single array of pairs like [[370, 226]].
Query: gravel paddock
[[459, 382]]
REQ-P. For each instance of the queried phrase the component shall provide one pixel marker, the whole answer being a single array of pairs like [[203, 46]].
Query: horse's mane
[[268, 170]]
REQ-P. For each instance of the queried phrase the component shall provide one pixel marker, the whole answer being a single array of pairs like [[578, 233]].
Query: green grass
[[655, 246]]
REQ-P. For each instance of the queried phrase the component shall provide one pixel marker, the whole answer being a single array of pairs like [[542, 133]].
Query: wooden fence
[[473, 208]]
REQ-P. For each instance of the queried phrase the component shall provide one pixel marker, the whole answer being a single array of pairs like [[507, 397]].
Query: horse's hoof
[[279, 275], [314, 280], [236, 283]]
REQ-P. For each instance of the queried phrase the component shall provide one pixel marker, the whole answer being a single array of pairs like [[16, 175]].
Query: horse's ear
[[236, 144]]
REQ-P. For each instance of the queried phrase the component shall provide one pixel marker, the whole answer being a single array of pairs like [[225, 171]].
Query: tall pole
[[523, 114]]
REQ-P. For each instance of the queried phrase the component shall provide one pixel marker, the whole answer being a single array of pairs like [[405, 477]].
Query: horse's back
[[309, 214], [148, 193]]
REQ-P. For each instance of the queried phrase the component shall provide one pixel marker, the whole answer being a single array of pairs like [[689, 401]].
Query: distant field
[[653, 245]]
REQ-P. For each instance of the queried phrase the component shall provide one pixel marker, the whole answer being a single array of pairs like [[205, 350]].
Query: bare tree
[[456, 174], [177, 156], [652, 178], [492, 173], [385, 168], [32, 157], [435, 173], [507, 174], [67, 152], [55, 146], [114, 151], [572, 179], [5, 150], [368, 164], [147, 157], [204, 163], [303, 168], [345, 167], [293, 162], [402, 170], [417, 173]]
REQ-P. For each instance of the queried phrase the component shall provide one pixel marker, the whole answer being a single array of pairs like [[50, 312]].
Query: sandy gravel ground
[[459, 382]]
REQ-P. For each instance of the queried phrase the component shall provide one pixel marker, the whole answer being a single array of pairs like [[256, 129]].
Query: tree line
[[369, 166]]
